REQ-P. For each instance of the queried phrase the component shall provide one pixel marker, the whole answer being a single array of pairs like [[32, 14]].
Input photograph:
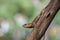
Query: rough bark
[[41, 23]]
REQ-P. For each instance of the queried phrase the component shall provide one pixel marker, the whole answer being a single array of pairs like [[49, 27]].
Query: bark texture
[[41, 23]]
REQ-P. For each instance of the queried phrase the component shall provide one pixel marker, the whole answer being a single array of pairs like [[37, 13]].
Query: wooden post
[[42, 21]]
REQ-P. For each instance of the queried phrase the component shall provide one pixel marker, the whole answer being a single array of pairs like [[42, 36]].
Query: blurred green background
[[15, 13]]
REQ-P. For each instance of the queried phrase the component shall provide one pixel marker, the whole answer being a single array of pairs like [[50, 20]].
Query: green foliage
[[57, 18]]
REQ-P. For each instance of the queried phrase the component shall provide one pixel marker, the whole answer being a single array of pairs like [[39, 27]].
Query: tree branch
[[42, 21]]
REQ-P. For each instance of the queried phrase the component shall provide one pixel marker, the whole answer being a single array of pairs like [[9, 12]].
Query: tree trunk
[[42, 21]]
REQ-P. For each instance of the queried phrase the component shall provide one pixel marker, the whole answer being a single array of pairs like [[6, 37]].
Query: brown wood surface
[[42, 21]]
